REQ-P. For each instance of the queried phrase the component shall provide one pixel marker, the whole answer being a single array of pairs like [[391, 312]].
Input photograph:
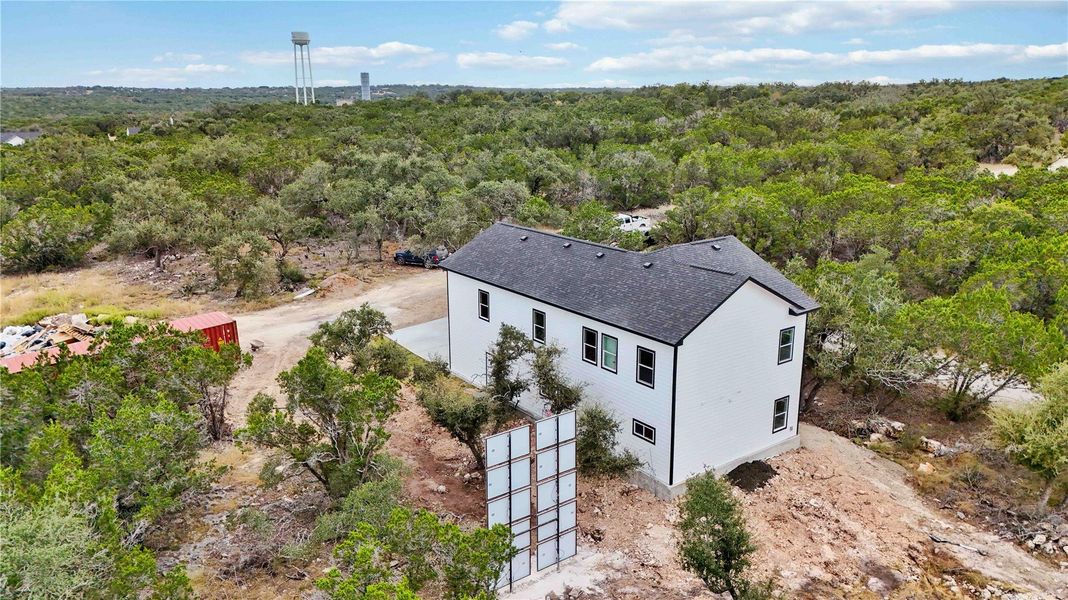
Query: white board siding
[[729, 378], [471, 337]]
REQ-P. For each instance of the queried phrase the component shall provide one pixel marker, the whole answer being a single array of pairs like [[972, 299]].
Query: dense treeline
[[856, 186]]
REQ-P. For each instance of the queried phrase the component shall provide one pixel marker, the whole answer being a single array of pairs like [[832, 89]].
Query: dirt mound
[[338, 282], [752, 475]]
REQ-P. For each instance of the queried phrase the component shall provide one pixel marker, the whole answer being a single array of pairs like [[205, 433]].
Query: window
[[778, 420], [483, 305], [786, 345], [538, 329], [488, 361], [589, 345], [644, 431], [609, 352], [646, 366]]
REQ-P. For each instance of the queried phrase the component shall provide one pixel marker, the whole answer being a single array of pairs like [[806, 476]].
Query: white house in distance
[[18, 138], [696, 348]]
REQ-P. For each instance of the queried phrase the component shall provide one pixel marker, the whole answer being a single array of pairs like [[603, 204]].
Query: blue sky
[[528, 44]]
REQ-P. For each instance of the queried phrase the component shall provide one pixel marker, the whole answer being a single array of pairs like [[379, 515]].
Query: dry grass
[[27, 298]]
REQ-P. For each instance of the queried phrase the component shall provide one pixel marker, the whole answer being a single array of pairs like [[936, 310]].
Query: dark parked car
[[428, 260]]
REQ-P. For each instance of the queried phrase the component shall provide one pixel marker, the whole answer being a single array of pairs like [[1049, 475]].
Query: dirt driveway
[[406, 299]]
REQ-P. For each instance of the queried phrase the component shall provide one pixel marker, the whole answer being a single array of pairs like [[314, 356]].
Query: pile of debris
[[49, 332], [880, 429]]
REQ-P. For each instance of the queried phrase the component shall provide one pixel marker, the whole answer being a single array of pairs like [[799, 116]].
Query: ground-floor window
[[644, 431], [782, 407]]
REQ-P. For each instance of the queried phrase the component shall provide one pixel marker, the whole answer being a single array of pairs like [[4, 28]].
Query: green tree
[[713, 542], [986, 345], [594, 222], [241, 260], [635, 178], [463, 414], [276, 222], [1036, 435], [552, 384], [857, 336], [333, 423], [349, 335], [506, 383], [155, 216], [47, 235]]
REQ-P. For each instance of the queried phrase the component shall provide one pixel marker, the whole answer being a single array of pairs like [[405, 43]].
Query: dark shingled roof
[[664, 301]]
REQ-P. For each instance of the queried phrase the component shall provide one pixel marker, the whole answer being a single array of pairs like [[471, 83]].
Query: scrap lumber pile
[[49, 332]]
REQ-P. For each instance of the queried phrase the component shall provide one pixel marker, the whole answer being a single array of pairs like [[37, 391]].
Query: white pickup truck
[[632, 223]]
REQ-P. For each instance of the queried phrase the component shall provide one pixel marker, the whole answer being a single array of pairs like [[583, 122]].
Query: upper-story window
[[538, 326], [646, 368], [786, 345], [483, 305], [609, 352], [589, 345]]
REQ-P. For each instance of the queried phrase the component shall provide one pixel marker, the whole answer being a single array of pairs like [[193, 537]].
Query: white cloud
[[177, 57], [1050, 51], [689, 58], [500, 60], [157, 75], [887, 80], [854, 42], [563, 46], [516, 30], [342, 56], [738, 18], [424, 60], [333, 82], [202, 68]]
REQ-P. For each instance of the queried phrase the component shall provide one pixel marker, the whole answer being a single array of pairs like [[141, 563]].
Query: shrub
[[426, 371], [463, 414], [389, 358], [1036, 435], [47, 235], [596, 444], [290, 275], [713, 542]]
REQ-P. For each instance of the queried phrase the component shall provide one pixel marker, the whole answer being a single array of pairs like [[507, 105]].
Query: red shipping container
[[217, 327]]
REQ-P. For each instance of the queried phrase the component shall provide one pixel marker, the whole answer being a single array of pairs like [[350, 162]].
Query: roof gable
[[662, 295]]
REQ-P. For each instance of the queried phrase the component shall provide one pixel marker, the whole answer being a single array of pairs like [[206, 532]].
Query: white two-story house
[[695, 348]]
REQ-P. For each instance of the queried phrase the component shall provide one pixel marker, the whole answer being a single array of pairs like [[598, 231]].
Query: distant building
[[18, 138], [365, 86], [133, 131]]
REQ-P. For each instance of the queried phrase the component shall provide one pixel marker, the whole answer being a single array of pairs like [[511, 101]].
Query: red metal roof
[[20, 361], [202, 322]]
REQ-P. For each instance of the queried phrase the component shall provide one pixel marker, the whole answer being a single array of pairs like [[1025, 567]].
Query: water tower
[[365, 86], [302, 41]]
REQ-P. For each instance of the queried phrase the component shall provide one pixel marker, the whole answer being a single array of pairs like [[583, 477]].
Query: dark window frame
[[781, 345], [785, 414], [651, 438], [616, 340], [481, 304], [534, 325], [638, 366], [596, 345]]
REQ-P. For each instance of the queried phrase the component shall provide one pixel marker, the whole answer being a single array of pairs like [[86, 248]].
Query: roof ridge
[[568, 238]]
